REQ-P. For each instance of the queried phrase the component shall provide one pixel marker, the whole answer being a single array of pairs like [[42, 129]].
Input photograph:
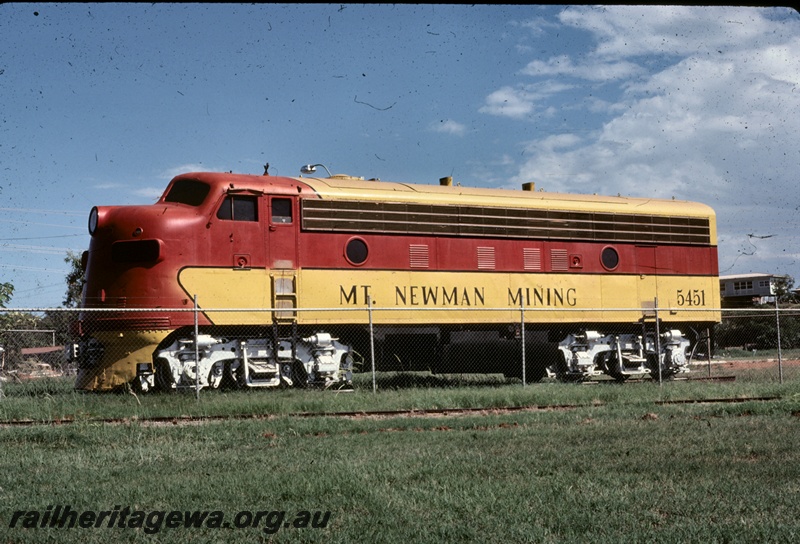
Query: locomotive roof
[[349, 188], [356, 189]]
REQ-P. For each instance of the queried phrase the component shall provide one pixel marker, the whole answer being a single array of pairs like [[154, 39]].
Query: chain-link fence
[[757, 343], [369, 348]]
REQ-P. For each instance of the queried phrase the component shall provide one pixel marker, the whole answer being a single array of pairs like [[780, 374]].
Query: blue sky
[[101, 104]]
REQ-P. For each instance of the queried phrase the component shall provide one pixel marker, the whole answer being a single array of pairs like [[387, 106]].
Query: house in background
[[748, 289]]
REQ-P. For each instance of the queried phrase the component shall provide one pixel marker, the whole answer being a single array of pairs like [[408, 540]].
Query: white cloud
[[623, 31], [519, 102], [537, 25], [716, 122], [182, 169], [448, 126], [153, 193], [508, 102], [562, 65]]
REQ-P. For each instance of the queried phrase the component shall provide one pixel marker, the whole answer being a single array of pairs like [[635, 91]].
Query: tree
[[6, 318], [6, 290], [783, 289], [75, 280], [12, 341]]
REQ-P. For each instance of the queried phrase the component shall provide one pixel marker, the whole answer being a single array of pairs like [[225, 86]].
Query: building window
[[742, 286]]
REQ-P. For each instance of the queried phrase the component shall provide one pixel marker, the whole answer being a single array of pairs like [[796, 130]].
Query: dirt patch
[[747, 364]]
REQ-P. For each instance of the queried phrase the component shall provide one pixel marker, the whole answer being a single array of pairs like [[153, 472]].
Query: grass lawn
[[617, 467], [55, 399]]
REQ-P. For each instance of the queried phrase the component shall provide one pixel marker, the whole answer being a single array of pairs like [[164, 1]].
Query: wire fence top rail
[[648, 309], [428, 343]]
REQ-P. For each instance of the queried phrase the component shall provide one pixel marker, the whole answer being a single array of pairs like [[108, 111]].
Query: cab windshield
[[188, 191]]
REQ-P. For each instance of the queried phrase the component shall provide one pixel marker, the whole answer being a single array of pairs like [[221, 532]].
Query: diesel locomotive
[[310, 264]]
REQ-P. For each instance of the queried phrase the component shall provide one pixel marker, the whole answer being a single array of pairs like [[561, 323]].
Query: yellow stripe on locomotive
[[411, 297]]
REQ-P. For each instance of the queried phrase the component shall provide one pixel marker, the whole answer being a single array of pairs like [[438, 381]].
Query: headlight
[[93, 217]]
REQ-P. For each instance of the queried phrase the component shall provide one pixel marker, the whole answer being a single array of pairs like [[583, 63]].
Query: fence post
[[371, 344], [196, 353], [2, 367], [522, 335], [658, 346], [778, 323]]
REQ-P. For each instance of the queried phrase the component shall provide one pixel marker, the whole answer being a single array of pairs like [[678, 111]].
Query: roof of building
[[39, 351], [751, 275]]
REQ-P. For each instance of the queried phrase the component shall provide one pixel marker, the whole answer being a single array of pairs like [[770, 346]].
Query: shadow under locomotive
[[242, 357]]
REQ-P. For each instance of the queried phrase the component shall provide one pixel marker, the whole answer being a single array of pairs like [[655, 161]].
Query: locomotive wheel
[[665, 374], [652, 364], [562, 370], [238, 373], [613, 368], [565, 377], [299, 375], [163, 377], [217, 369], [137, 386], [230, 378]]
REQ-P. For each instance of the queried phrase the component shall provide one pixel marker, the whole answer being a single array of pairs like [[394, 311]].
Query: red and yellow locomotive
[[423, 258]]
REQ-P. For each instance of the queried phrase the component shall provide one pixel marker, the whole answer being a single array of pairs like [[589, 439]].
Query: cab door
[[282, 257], [236, 226], [282, 232], [647, 267]]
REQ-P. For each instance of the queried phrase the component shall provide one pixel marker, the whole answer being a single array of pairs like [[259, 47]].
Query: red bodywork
[[136, 252], [174, 235]]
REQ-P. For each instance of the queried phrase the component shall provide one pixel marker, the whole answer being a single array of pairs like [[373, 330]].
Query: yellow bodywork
[[416, 297], [123, 350], [231, 289]]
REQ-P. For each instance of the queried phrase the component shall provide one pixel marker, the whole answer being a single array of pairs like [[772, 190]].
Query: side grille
[[418, 256], [455, 220]]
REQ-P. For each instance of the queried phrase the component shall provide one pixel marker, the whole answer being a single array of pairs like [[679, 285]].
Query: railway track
[[376, 414], [651, 380]]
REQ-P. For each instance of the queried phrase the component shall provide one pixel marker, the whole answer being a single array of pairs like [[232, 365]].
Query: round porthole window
[[610, 258], [356, 251]]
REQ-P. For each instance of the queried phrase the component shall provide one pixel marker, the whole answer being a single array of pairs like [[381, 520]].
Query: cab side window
[[281, 210], [238, 208]]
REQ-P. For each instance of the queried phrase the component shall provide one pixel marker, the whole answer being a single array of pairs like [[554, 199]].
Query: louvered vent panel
[[458, 220], [558, 259], [531, 258], [418, 255], [486, 258]]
